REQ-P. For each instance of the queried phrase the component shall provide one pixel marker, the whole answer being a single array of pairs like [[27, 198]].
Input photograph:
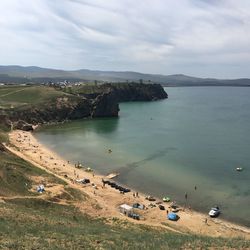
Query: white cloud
[[196, 37]]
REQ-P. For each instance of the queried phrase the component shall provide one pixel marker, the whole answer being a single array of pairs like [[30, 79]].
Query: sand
[[104, 201]]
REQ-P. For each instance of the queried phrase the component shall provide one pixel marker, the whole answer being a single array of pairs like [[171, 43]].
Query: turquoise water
[[197, 137]]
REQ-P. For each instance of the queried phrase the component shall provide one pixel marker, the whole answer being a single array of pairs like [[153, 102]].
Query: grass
[[15, 175], [39, 224], [3, 137], [18, 96], [86, 89]]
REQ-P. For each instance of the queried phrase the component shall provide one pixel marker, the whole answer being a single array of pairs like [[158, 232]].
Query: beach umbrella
[[172, 216]]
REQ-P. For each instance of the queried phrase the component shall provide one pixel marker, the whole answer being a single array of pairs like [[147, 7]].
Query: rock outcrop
[[138, 92], [105, 105], [23, 125]]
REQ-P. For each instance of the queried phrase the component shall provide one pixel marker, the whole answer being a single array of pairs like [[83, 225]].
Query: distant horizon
[[122, 71]]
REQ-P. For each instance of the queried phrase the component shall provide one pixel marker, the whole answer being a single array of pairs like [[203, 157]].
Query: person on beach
[[186, 196]]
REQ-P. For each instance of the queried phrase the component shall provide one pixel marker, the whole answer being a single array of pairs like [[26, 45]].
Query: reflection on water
[[103, 125], [195, 138], [99, 126]]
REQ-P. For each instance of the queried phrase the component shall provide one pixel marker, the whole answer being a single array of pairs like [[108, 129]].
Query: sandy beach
[[103, 201]]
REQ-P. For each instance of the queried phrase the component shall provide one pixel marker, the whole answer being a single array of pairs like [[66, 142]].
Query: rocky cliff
[[57, 110], [138, 92], [102, 102], [126, 92]]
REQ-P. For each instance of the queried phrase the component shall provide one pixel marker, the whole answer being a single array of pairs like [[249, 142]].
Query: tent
[[173, 216], [40, 189], [126, 209]]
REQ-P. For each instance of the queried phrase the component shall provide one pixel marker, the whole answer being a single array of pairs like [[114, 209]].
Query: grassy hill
[[17, 96]]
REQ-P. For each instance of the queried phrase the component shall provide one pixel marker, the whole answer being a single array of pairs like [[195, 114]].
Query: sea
[[186, 147]]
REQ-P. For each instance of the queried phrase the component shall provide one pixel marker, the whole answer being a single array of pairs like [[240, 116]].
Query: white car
[[214, 212]]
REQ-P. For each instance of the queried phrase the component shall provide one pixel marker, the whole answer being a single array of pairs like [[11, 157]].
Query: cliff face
[[105, 105], [126, 92], [102, 103], [138, 92]]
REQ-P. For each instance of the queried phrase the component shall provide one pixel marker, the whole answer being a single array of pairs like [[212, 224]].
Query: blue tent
[[173, 216]]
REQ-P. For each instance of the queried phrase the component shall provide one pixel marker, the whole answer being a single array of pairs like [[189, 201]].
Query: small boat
[[214, 212], [239, 169], [166, 199]]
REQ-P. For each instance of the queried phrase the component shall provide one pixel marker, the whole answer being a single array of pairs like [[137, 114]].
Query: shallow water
[[197, 137]]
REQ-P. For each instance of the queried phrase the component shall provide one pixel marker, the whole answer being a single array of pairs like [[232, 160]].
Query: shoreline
[[28, 148]]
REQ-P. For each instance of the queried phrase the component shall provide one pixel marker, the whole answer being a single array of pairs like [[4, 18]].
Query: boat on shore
[[166, 199], [214, 212]]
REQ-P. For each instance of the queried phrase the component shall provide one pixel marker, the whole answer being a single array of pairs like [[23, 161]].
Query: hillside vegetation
[[17, 96]]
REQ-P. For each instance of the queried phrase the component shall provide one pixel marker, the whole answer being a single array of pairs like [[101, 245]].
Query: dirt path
[[104, 201]]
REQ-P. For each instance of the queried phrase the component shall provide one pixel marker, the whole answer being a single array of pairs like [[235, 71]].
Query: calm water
[[197, 137]]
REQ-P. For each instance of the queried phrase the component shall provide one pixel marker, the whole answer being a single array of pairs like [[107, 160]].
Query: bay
[[195, 138]]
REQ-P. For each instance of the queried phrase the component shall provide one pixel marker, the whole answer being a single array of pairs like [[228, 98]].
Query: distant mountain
[[19, 74]]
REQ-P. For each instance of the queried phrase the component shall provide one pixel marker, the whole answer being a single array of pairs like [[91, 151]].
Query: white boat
[[214, 212], [239, 169]]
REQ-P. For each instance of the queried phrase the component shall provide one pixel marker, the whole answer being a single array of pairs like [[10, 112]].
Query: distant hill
[[19, 74]]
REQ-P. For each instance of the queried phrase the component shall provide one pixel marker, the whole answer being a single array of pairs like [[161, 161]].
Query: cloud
[[196, 37]]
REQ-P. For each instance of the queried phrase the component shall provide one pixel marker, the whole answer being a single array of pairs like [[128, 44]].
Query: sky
[[204, 38]]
